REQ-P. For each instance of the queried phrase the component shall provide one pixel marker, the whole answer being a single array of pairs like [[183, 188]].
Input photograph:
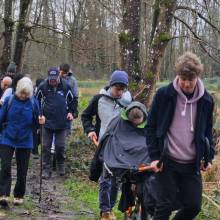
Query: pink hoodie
[[181, 144]]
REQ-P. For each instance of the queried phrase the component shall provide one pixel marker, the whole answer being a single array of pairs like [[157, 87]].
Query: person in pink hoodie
[[181, 116]]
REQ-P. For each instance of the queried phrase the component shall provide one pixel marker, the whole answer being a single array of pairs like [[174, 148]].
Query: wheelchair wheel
[[137, 214], [134, 214]]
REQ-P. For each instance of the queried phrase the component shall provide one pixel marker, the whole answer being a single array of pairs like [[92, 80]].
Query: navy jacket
[[57, 102], [160, 117]]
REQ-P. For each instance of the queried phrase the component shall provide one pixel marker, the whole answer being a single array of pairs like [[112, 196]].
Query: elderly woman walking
[[18, 116]]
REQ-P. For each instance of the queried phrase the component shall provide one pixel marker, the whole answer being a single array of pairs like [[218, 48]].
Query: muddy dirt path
[[55, 203]]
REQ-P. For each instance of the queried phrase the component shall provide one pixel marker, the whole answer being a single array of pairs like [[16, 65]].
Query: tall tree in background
[[7, 35], [160, 36], [21, 34], [130, 39], [130, 43]]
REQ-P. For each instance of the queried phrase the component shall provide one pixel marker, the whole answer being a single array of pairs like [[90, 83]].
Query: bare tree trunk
[[157, 48], [130, 39], [21, 34], [7, 48]]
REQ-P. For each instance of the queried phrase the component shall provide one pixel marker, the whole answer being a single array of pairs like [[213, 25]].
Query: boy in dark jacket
[[182, 113], [104, 107], [68, 76], [58, 105]]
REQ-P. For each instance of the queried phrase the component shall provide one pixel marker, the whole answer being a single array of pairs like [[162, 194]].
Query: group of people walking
[[52, 105], [180, 114]]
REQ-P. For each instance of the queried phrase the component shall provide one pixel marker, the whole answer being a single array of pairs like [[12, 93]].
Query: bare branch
[[199, 15], [200, 41]]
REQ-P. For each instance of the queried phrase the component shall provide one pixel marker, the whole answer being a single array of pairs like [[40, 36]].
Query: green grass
[[85, 193], [208, 212], [92, 83]]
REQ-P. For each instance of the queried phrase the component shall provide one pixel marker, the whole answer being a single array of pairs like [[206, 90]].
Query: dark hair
[[65, 67], [135, 113], [38, 81], [15, 80]]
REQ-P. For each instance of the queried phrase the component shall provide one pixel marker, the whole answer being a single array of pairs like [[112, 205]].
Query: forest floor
[[55, 201]]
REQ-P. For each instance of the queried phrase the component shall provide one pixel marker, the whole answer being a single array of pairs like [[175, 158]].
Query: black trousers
[[181, 179], [60, 136], [22, 160]]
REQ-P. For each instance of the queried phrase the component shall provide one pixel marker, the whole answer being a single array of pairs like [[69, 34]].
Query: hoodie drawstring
[[191, 117], [183, 113]]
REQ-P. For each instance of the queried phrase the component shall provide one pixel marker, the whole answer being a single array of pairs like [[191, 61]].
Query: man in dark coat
[[58, 106]]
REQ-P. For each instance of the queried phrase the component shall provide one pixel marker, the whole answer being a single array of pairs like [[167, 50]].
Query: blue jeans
[[108, 191]]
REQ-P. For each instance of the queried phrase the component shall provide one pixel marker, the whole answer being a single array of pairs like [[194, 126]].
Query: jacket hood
[[135, 104], [125, 100], [198, 93]]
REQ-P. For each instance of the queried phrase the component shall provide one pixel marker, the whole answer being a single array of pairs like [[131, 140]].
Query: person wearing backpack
[[19, 114], [66, 74], [182, 115], [104, 107], [58, 104]]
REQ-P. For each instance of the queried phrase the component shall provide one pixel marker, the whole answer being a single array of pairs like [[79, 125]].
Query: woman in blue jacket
[[18, 116]]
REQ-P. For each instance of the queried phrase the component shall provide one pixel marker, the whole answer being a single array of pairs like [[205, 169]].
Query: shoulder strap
[[64, 85], [10, 102], [33, 109]]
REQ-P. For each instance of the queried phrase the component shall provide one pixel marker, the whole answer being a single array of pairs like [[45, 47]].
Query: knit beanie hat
[[11, 67], [119, 77]]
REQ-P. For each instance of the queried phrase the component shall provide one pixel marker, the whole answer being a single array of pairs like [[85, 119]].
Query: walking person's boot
[[47, 172], [108, 216], [61, 169], [18, 201], [4, 201]]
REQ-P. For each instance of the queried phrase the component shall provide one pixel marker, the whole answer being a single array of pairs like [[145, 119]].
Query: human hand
[[203, 168], [69, 116], [155, 168], [92, 135], [42, 120]]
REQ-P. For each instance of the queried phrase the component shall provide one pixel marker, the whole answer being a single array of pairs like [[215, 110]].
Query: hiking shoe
[[112, 216], [105, 216], [46, 174], [61, 169], [4, 200], [18, 201]]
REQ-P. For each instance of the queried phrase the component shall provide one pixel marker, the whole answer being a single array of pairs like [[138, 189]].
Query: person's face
[[137, 121], [118, 90], [54, 82], [23, 96], [63, 74], [187, 85], [4, 85]]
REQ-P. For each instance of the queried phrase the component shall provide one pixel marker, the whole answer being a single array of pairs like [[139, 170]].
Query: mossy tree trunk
[[7, 34], [130, 41], [160, 38], [21, 34], [143, 85]]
